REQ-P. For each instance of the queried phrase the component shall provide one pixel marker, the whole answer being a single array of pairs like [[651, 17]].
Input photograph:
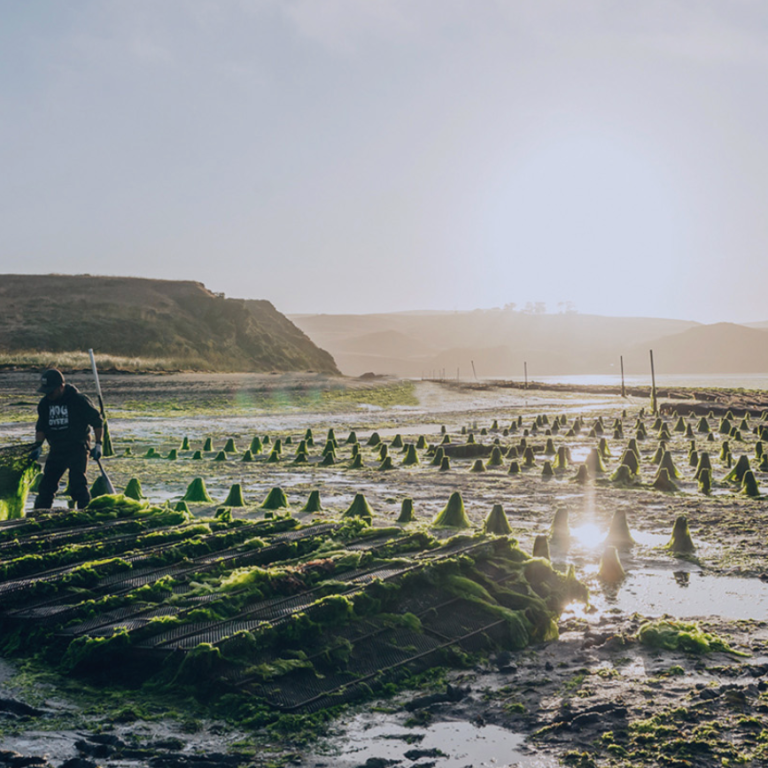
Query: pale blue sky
[[362, 155]]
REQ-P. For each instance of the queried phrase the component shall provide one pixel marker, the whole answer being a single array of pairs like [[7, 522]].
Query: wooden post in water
[[525, 369], [473, 369], [623, 392], [654, 401]]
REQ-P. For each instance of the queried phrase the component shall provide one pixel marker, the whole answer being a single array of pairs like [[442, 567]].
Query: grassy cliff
[[161, 323]]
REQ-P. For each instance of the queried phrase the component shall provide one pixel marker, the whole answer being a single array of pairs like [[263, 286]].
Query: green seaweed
[[360, 508], [453, 514], [133, 489], [313, 503], [497, 522], [686, 636], [275, 499], [611, 569], [406, 511], [197, 492], [681, 541], [411, 457], [235, 496]]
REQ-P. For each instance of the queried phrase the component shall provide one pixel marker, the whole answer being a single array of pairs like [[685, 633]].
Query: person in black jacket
[[64, 419]]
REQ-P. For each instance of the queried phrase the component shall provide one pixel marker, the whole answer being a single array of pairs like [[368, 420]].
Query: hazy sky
[[379, 155]]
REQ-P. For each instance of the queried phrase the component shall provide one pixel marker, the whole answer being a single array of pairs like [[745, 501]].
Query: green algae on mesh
[[181, 506], [197, 493], [496, 459], [411, 457], [445, 464], [387, 464], [693, 458], [383, 452], [235, 496], [497, 522], [736, 475], [560, 533], [685, 636], [247, 456], [437, 459], [352, 438], [220, 456], [477, 466], [274, 457], [603, 449], [133, 489], [547, 471], [421, 443], [541, 546], [397, 442], [619, 535], [374, 440], [276, 499], [230, 446], [560, 463], [313, 503], [208, 444], [17, 471], [406, 511], [611, 569], [173, 455], [357, 462], [185, 444], [256, 446], [453, 514], [360, 508], [128, 451], [749, 485], [446, 440], [152, 454], [197, 456], [663, 482], [514, 468], [328, 460], [681, 542]]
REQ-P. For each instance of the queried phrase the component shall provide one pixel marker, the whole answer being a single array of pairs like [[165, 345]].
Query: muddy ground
[[596, 696]]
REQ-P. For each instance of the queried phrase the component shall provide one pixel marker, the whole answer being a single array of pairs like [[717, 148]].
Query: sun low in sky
[[346, 156]]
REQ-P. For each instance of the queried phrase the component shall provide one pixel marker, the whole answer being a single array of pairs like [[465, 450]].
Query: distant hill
[[135, 317], [497, 341], [718, 348]]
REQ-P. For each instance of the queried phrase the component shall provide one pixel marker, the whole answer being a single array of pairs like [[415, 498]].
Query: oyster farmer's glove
[[96, 452], [37, 450]]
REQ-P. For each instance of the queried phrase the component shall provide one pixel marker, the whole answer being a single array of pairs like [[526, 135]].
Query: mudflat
[[617, 687]]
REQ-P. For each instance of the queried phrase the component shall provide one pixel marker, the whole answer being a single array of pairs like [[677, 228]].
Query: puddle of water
[[462, 744], [683, 594]]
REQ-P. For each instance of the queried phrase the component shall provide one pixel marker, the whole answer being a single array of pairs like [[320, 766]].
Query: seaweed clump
[[681, 542], [313, 503], [453, 514], [196, 492], [497, 521], [276, 499], [682, 636], [17, 471], [235, 496], [360, 508], [406, 511]]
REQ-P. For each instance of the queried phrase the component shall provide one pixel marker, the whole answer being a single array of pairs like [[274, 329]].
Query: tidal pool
[[461, 743]]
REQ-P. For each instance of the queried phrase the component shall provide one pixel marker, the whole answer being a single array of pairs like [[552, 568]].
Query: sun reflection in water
[[589, 535]]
